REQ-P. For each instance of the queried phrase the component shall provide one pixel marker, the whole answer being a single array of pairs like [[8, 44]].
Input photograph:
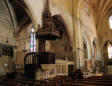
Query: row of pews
[[105, 80], [57, 81]]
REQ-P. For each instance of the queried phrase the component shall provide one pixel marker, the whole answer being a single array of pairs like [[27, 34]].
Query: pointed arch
[[87, 40], [110, 22], [107, 52]]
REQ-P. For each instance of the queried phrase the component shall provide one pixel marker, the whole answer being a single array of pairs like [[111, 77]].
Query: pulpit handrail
[[30, 58]]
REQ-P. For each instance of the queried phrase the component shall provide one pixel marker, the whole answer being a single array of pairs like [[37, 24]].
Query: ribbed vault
[[100, 9]]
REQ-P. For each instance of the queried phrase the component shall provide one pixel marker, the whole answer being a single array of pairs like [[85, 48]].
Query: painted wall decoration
[[6, 50]]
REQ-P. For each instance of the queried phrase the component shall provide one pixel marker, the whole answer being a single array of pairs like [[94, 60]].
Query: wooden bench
[[92, 81]]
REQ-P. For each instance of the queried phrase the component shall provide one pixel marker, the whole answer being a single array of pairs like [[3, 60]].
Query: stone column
[[77, 34], [79, 47]]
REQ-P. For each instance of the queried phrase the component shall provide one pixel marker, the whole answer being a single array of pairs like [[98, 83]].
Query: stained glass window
[[32, 40], [110, 22], [94, 49], [109, 51]]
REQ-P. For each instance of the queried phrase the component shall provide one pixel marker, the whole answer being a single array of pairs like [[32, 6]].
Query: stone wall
[[88, 28], [6, 34], [23, 43], [105, 35]]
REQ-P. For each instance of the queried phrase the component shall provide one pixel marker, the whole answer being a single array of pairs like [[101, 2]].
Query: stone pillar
[[79, 57], [75, 54], [77, 35], [80, 50]]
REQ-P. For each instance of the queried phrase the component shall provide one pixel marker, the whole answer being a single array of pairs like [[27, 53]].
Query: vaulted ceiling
[[100, 9]]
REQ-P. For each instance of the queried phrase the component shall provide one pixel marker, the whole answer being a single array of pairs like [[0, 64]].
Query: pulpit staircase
[[31, 64], [33, 61]]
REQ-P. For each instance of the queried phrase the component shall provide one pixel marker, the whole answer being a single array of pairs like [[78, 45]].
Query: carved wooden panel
[[41, 45]]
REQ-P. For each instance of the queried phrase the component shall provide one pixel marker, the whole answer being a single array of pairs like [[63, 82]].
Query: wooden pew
[[63, 81], [92, 81]]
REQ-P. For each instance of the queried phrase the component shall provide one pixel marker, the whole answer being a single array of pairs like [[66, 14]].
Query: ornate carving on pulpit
[[41, 45], [48, 30]]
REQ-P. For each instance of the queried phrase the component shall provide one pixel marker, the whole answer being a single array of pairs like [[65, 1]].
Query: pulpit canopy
[[48, 30]]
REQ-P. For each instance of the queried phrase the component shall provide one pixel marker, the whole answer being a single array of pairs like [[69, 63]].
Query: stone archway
[[94, 49], [85, 50], [63, 46], [107, 60], [88, 43], [87, 54], [106, 57], [75, 23], [98, 53], [22, 14], [31, 13]]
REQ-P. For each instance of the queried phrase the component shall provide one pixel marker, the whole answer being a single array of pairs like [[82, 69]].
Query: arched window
[[110, 22], [85, 51], [33, 40], [109, 49], [94, 49]]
